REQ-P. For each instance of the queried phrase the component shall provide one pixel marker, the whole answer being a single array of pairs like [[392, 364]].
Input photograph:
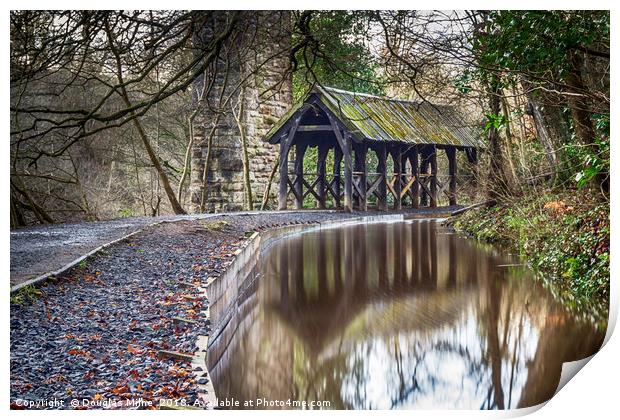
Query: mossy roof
[[375, 118]]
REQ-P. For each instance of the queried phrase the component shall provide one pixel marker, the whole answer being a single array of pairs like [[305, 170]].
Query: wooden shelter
[[350, 125]]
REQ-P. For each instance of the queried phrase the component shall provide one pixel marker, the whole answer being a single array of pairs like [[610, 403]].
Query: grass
[[564, 236], [28, 293], [216, 225]]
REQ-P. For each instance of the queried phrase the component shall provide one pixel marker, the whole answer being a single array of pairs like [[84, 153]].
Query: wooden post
[[382, 170], [396, 158], [345, 144], [285, 145], [348, 174], [337, 162], [403, 178], [364, 179], [415, 188], [321, 168], [451, 154], [360, 168], [300, 151], [424, 171], [433, 159], [283, 174]]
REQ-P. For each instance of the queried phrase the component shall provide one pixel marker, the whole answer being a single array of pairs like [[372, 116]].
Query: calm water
[[400, 315]]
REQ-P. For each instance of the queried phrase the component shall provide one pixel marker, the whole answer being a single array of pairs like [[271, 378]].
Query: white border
[[592, 394]]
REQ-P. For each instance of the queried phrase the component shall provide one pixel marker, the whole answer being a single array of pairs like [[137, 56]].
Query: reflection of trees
[[493, 346], [388, 317]]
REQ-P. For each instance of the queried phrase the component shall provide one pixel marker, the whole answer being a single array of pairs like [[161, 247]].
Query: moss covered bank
[[563, 236]]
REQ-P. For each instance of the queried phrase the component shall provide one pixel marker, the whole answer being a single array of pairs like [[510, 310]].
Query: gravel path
[[38, 250], [96, 331]]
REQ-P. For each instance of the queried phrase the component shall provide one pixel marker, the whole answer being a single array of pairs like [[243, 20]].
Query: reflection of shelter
[[325, 284], [350, 125]]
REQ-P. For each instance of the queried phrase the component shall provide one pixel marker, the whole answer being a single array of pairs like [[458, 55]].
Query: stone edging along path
[[50, 274], [225, 286]]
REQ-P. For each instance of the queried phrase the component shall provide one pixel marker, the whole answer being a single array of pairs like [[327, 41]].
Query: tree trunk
[[580, 108], [272, 175], [498, 181], [188, 154], [581, 112], [176, 207], [38, 211], [509, 141], [247, 185], [551, 131]]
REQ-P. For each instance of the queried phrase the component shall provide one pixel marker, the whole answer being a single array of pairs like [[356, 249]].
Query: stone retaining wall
[[228, 293]]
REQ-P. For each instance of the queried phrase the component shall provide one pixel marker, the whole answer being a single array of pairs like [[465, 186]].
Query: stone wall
[[250, 82]]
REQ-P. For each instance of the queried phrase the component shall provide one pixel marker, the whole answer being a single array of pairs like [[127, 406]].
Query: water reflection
[[402, 315]]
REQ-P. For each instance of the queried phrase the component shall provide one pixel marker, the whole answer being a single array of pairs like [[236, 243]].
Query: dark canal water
[[394, 315]]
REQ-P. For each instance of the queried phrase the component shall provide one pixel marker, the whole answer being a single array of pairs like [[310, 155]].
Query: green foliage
[[126, 212], [594, 163], [495, 121], [342, 58], [561, 235], [539, 41], [463, 82], [28, 293], [541, 46]]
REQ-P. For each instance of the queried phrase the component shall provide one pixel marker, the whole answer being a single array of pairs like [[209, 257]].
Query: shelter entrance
[[369, 152]]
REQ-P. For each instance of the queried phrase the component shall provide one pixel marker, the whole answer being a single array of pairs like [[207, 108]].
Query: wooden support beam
[[433, 161], [396, 159], [382, 170], [413, 161], [310, 189], [451, 155], [404, 181], [424, 165], [348, 173], [300, 151], [314, 128], [361, 170], [321, 169], [285, 146], [345, 145], [336, 182]]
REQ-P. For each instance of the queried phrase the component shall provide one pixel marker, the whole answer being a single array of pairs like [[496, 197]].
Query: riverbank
[[563, 236]]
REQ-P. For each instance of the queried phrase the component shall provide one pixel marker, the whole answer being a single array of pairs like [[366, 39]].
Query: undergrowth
[[564, 236]]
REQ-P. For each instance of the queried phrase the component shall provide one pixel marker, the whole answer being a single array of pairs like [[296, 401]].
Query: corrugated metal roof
[[383, 119]]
